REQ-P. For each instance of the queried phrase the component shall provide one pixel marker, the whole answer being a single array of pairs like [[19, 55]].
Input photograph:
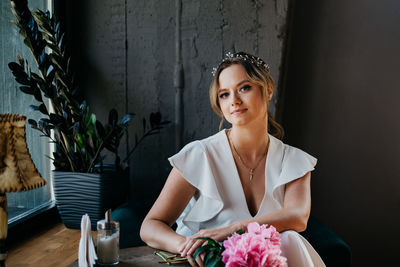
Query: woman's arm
[[296, 208], [156, 228], [293, 216]]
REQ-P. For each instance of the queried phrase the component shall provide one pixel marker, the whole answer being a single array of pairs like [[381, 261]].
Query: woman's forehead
[[232, 75]]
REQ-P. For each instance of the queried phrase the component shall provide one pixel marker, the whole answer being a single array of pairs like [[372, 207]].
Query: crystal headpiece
[[245, 57]]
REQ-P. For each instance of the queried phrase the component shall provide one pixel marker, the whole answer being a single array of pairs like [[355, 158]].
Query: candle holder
[[107, 241]]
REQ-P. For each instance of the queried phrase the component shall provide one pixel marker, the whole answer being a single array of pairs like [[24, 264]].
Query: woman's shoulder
[[290, 159], [205, 143], [288, 150]]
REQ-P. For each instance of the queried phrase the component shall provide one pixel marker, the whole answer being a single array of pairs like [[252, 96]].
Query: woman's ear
[[270, 91]]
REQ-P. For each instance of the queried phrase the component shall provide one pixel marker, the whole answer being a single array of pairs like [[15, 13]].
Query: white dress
[[209, 166]]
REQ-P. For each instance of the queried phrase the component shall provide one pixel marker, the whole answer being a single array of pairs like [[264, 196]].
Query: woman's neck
[[250, 142]]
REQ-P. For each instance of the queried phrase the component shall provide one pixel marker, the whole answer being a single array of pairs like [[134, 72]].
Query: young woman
[[220, 184]]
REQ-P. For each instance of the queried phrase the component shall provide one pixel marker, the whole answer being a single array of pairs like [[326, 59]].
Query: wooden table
[[138, 256]]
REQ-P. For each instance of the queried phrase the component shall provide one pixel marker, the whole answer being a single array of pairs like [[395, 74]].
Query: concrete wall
[[126, 51], [342, 106]]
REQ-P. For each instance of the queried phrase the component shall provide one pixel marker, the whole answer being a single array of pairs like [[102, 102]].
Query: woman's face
[[241, 101]]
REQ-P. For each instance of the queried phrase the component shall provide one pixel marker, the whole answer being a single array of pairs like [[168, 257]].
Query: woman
[[220, 184]]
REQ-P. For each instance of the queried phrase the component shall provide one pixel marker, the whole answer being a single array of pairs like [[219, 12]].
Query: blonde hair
[[258, 73]]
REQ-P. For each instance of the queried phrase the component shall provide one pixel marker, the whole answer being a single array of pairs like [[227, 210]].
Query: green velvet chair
[[332, 249]]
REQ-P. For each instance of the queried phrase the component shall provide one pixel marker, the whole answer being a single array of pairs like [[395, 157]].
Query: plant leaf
[[57, 60], [79, 140], [13, 66], [91, 121], [126, 118], [201, 249], [27, 90], [214, 261], [33, 108], [210, 241], [155, 119], [100, 129], [113, 117], [38, 95], [33, 123], [76, 128]]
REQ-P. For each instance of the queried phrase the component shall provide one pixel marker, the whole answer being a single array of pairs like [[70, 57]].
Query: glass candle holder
[[107, 242]]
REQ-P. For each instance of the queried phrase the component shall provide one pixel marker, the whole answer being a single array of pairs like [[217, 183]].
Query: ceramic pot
[[78, 193]]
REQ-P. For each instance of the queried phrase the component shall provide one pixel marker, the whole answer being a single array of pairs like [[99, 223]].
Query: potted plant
[[82, 182]]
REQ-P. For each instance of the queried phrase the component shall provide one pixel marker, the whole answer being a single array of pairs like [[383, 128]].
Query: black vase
[[79, 193]]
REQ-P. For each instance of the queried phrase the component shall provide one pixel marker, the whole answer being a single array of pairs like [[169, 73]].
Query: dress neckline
[[237, 176]]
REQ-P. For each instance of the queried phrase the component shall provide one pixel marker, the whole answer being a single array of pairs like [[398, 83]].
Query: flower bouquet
[[258, 247]]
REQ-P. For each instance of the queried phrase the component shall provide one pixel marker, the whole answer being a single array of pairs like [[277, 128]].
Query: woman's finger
[[187, 246], [200, 260], [195, 245], [191, 261]]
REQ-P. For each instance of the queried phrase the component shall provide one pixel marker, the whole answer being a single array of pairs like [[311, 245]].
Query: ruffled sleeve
[[295, 164], [193, 163]]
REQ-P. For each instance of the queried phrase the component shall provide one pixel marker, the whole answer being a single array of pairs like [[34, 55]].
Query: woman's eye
[[245, 88], [223, 95]]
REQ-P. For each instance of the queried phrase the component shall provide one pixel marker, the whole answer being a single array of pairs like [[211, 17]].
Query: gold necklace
[[251, 170]]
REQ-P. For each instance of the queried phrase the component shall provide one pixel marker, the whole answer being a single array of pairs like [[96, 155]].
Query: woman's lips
[[239, 111]]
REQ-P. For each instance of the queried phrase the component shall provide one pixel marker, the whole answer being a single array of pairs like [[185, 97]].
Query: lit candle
[[108, 248], [107, 241]]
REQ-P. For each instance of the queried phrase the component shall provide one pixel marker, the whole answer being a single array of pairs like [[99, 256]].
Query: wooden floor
[[56, 246]]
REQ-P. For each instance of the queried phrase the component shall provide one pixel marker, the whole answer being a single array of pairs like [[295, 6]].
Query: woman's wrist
[[180, 243], [236, 226]]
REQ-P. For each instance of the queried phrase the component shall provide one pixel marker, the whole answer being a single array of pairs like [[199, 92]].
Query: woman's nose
[[236, 99]]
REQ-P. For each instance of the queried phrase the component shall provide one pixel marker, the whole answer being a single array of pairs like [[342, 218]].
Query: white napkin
[[86, 254]]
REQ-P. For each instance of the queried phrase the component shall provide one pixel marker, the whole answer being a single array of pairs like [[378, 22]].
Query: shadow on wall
[[341, 106]]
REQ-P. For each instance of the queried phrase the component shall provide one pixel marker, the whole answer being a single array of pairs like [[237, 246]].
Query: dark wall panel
[[342, 106], [127, 55]]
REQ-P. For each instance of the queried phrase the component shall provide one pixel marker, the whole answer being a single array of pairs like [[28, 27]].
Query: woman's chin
[[239, 122]]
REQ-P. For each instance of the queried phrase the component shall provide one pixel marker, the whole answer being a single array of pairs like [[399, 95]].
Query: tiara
[[245, 57]]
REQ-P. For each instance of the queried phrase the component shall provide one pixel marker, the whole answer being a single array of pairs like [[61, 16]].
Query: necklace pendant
[[251, 174]]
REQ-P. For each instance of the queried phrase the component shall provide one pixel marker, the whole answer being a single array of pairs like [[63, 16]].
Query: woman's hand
[[190, 245]]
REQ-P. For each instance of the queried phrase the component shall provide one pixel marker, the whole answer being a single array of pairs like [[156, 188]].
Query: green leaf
[[240, 232], [13, 66], [201, 249], [54, 48], [33, 123], [113, 117], [207, 258], [42, 21], [91, 121], [90, 132], [126, 118], [61, 41], [210, 241], [27, 90], [33, 108], [76, 128], [57, 60], [79, 140], [61, 78], [49, 38], [38, 95], [214, 262], [43, 109], [100, 129]]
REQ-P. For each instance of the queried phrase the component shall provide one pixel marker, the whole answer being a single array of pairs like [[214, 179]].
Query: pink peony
[[259, 247]]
